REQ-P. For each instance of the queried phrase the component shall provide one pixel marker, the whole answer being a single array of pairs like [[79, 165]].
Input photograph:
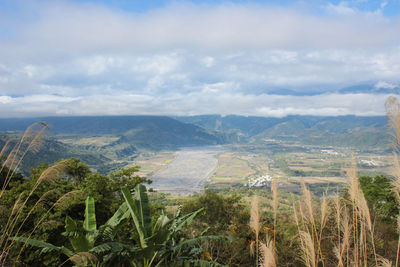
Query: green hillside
[[52, 150], [119, 139], [106, 143], [353, 131], [155, 132]]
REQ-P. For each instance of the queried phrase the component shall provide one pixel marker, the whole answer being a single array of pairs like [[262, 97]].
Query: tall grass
[[14, 154], [274, 191], [354, 231], [393, 110], [267, 253], [345, 221], [29, 142], [255, 224]]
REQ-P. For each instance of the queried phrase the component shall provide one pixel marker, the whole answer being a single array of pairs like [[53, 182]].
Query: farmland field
[[191, 169], [151, 163]]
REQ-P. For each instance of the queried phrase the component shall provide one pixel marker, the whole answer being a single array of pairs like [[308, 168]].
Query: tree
[[84, 237], [224, 215], [160, 241], [5, 172], [378, 191], [49, 221], [77, 170], [127, 178], [153, 241]]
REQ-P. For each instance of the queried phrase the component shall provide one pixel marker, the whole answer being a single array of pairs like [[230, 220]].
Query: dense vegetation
[[66, 214], [82, 218]]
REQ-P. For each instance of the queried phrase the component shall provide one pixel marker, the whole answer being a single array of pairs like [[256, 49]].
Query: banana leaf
[[46, 247], [89, 223], [135, 216]]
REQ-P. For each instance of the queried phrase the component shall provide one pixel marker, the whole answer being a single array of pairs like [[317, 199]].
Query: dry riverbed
[[187, 173]]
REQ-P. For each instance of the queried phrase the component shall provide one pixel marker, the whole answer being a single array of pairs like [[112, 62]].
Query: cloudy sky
[[61, 58]]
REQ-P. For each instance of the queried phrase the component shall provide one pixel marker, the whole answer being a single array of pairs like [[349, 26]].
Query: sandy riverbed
[[188, 172]]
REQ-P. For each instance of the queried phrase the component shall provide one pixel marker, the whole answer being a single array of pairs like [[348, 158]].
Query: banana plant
[[160, 241], [86, 240], [157, 242], [82, 236]]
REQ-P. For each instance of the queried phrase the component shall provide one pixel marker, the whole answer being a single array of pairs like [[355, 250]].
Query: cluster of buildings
[[260, 181], [369, 163], [331, 152]]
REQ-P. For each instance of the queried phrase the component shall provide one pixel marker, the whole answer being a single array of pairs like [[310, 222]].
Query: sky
[[180, 58]]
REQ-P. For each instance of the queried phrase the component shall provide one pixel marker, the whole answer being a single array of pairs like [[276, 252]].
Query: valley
[[187, 133], [234, 166], [184, 155], [188, 171]]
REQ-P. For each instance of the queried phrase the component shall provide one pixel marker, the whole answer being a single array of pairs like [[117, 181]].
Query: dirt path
[[188, 172]]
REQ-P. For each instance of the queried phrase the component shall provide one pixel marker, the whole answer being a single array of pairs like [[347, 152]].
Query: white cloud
[[72, 58], [30, 70], [68, 29], [205, 102], [342, 8], [208, 61], [5, 99], [386, 85], [350, 8], [97, 65]]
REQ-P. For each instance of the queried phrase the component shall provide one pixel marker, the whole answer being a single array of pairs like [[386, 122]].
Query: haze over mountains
[[338, 131], [154, 132], [161, 132], [110, 142]]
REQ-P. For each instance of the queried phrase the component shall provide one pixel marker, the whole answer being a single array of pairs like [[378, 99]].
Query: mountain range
[[132, 135], [353, 131], [154, 132]]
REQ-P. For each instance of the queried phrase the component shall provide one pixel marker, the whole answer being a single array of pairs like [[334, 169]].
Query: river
[[187, 173]]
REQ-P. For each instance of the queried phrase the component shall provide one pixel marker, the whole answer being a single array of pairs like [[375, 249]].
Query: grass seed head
[[267, 253], [308, 249]]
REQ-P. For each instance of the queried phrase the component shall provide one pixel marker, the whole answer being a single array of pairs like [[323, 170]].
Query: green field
[[322, 167]]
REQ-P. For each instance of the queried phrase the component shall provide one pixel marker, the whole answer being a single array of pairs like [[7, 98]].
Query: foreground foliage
[[153, 242], [124, 225]]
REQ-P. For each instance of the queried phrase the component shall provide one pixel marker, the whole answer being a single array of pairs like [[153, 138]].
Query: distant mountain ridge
[[254, 125], [162, 132], [131, 135], [90, 124], [154, 132], [52, 150], [348, 130]]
